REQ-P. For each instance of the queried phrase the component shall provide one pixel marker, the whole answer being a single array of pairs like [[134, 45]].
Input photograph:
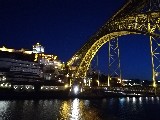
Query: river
[[127, 108]]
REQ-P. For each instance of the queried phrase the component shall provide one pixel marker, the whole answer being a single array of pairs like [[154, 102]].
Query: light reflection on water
[[75, 112], [128, 108]]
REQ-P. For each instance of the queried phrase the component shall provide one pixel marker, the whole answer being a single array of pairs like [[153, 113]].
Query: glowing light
[[13, 50], [119, 80], [66, 86], [41, 87], [28, 52], [154, 84], [127, 99], [98, 82], [85, 81], [152, 98], [3, 78], [157, 74], [81, 90], [75, 110], [38, 48], [36, 57], [67, 75], [134, 99], [6, 49], [122, 100], [27, 87], [15, 87], [140, 99], [76, 89]]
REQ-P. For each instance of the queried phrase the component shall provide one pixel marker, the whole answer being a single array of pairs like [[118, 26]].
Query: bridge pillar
[[155, 49], [155, 57], [114, 69]]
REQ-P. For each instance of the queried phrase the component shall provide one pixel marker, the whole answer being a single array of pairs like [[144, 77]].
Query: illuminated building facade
[[38, 48], [50, 63], [4, 49], [51, 66], [131, 82], [3, 76], [19, 65], [3, 79], [19, 70], [29, 65]]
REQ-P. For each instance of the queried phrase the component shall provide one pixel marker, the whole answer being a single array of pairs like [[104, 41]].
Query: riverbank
[[13, 95]]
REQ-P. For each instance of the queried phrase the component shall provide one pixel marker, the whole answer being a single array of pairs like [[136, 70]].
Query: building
[[25, 70], [4, 49], [19, 70], [52, 67], [131, 82], [30, 65], [38, 48], [19, 65]]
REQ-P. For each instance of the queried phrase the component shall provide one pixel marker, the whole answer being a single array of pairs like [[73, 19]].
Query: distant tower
[[38, 48]]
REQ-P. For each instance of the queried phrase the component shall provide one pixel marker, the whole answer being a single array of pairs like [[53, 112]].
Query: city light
[[66, 86], [98, 82], [76, 89]]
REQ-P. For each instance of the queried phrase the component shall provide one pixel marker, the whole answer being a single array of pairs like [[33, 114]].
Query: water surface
[[142, 108]]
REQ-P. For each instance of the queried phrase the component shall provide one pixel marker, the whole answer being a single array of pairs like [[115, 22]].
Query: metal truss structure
[[135, 17], [155, 56], [114, 69]]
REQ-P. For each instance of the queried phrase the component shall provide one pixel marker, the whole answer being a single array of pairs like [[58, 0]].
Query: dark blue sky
[[63, 26]]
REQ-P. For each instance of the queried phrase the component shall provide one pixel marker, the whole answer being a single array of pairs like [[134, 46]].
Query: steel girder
[[135, 17]]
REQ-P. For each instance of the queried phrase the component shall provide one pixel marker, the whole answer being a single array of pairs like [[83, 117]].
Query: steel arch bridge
[[135, 17]]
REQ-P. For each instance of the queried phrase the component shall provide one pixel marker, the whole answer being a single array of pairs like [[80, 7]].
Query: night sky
[[64, 26]]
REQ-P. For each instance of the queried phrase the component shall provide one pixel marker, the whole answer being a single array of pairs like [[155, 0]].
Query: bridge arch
[[135, 17], [91, 52]]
